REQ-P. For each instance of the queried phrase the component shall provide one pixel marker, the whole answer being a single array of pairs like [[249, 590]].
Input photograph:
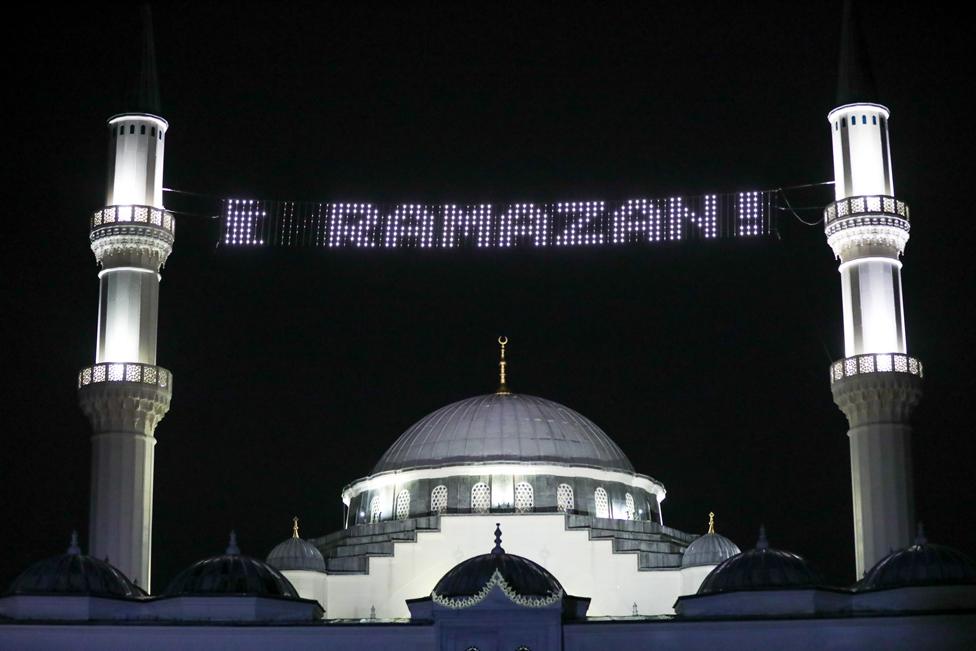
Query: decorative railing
[[138, 215], [133, 373], [882, 209], [875, 363]]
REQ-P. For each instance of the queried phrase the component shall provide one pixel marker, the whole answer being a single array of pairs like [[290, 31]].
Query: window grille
[[564, 498], [403, 505], [524, 499], [480, 498], [602, 503], [375, 510], [438, 499]]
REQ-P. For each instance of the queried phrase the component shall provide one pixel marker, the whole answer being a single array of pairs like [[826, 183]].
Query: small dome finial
[[232, 548], [920, 538], [502, 386], [73, 547], [762, 544], [711, 522], [294, 527], [498, 539]]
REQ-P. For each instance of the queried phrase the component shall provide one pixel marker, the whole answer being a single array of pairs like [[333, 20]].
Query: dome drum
[[512, 489]]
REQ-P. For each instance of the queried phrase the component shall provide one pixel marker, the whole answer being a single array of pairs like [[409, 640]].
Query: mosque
[[421, 561]]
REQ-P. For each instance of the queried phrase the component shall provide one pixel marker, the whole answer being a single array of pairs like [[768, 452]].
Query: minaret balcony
[[875, 225], [126, 372], [873, 210], [875, 363], [138, 220], [132, 236]]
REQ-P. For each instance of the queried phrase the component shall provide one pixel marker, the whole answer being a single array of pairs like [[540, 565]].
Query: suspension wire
[[789, 206], [192, 214], [194, 194]]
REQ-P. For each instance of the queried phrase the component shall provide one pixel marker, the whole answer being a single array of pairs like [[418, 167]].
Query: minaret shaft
[[124, 394], [877, 385]]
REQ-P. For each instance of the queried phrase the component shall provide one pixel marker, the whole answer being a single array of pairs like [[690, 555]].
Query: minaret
[[877, 384], [124, 394]]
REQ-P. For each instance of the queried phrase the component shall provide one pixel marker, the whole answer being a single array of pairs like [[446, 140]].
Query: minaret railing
[[875, 363]]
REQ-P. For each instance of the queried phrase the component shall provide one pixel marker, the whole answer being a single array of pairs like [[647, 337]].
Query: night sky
[[295, 370]]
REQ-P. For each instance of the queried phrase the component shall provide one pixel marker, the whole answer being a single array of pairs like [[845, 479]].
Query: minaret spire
[[124, 393], [855, 81], [144, 92], [877, 384]]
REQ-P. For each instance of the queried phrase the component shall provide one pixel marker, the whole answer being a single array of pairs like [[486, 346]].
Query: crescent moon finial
[[502, 386]]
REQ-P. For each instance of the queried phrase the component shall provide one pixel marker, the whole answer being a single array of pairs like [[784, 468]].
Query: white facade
[[585, 567]]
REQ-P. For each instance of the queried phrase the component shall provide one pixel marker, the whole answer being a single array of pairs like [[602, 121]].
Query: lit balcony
[[875, 363], [878, 210], [129, 372], [120, 219]]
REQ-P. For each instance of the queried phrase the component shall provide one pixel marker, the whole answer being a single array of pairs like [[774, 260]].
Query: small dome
[[920, 564], [523, 582], [296, 554], [231, 573], [503, 427], [710, 549], [74, 573], [761, 568]]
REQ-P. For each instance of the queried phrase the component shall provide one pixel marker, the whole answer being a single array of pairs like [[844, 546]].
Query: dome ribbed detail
[[504, 427], [296, 554], [231, 574], [74, 574], [761, 568], [710, 549], [920, 564]]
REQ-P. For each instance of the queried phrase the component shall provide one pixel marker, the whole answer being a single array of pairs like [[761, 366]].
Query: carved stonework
[[124, 406], [874, 398], [132, 250], [867, 241]]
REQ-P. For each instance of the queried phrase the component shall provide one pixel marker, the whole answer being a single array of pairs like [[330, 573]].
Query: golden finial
[[502, 387], [294, 527], [711, 522]]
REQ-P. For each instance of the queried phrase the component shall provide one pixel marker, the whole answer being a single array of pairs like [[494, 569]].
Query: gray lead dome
[[504, 427], [710, 549]]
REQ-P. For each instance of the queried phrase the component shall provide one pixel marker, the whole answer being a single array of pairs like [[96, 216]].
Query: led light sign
[[257, 223]]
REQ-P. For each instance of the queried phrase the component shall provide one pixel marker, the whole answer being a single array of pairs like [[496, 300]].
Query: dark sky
[[295, 370]]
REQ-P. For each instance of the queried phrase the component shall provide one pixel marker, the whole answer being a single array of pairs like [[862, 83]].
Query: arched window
[[602, 503], [403, 505], [480, 498], [630, 512], [564, 498], [438, 499], [524, 500], [375, 509]]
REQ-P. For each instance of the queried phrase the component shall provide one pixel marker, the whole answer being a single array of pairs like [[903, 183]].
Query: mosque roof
[[524, 582], [710, 549], [296, 554], [920, 564], [761, 568], [231, 574], [76, 574], [504, 427]]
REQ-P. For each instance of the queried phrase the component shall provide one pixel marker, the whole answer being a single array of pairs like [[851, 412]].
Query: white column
[[124, 394]]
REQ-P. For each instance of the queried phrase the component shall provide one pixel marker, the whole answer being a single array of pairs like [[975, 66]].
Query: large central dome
[[503, 427]]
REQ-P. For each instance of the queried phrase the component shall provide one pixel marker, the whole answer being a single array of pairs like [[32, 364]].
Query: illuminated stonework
[[497, 580]]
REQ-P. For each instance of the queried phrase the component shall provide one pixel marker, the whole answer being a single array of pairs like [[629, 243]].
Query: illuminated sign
[[257, 223]]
